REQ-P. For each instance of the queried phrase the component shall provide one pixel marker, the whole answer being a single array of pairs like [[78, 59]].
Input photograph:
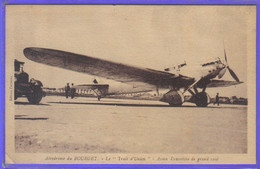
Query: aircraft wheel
[[202, 99], [174, 98], [35, 97], [175, 105]]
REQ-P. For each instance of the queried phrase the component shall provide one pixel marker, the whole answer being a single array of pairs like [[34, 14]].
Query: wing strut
[[191, 86]]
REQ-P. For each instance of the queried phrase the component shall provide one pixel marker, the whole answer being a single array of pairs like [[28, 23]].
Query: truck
[[31, 89]]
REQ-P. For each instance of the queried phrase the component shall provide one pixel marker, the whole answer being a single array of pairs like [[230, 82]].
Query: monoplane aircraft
[[178, 79]]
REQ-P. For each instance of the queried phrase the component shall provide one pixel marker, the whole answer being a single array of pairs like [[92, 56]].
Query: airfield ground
[[86, 125]]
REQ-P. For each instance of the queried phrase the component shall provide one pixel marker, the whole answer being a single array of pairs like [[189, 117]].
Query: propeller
[[232, 73], [225, 56], [223, 71]]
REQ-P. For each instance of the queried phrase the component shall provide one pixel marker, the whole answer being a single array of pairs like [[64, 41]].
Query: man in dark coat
[[67, 90], [217, 99], [72, 91]]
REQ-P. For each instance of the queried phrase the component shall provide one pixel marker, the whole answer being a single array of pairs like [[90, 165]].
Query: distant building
[[235, 100], [225, 100]]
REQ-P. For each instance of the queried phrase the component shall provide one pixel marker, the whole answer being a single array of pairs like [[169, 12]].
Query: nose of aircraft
[[225, 67], [222, 65]]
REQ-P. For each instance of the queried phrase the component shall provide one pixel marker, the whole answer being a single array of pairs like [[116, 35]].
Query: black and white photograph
[[130, 84]]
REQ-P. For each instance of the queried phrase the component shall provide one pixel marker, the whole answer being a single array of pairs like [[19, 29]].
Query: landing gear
[[98, 97], [172, 104], [98, 94], [201, 99], [174, 97]]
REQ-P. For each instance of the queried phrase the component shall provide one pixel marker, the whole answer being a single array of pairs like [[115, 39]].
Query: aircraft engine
[[173, 97]]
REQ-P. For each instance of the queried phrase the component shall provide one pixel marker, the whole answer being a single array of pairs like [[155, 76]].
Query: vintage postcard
[[130, 84]]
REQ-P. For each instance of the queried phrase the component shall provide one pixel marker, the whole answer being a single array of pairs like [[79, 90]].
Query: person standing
[[72, 91], [217, 99], [67, 90]]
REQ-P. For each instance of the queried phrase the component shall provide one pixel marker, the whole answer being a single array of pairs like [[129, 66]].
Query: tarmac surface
[[85, 125]]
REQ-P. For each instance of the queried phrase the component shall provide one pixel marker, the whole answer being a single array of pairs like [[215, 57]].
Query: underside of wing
[[222, 83], [110, 70]]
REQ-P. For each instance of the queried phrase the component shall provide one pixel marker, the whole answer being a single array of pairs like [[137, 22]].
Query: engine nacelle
[[173, 97]]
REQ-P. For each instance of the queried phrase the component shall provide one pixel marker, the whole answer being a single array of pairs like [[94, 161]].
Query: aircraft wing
[[107, 69], [222, 83]]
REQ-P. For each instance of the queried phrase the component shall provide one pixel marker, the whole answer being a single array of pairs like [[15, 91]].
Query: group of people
[[70, 91]]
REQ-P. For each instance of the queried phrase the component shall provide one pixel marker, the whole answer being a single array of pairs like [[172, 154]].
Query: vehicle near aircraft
[[178, 79], [23, 87]]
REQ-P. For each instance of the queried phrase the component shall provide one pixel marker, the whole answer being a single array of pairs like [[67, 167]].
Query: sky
[[153, 37]]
